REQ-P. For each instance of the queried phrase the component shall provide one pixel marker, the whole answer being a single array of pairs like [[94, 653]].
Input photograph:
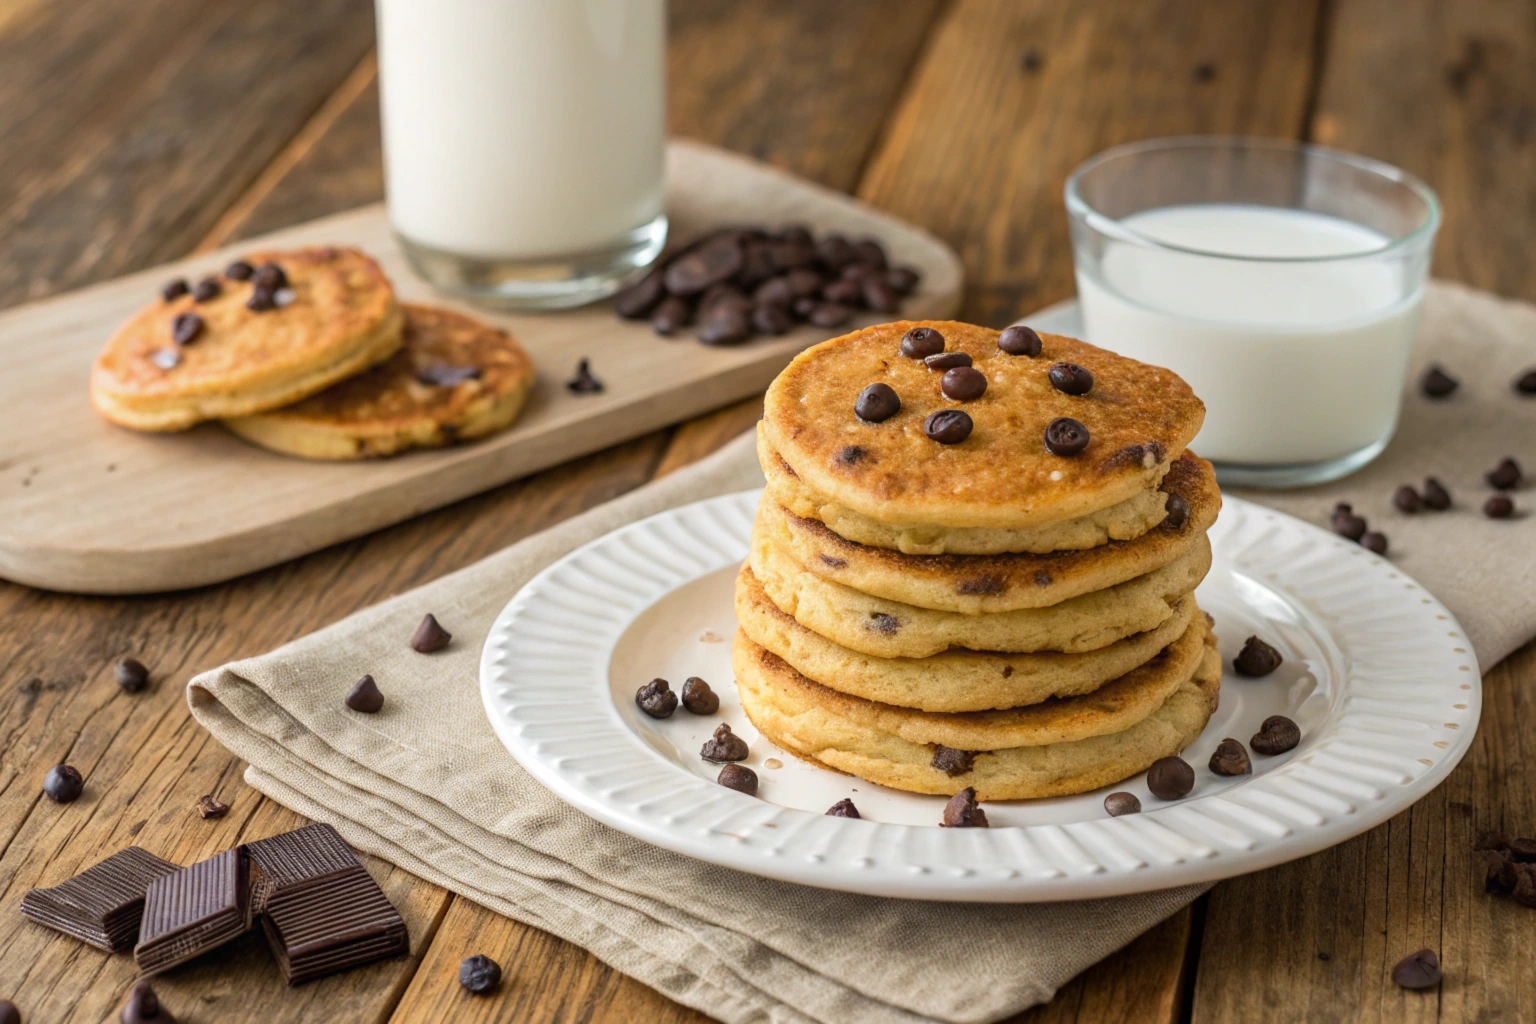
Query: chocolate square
[[102, 906], [195, 910]]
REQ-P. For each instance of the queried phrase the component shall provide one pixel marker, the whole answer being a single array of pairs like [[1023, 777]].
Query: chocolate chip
[[365, 696], [174, 289], [672, 314], [207, 290], [186, 328], [947, 360], [698, 697], [772, 320], [1019, 340], [239, 271], [963, 384], [804, 283], [638, 300], [880, 297], [1417, 970], [9, 1014], [1230, 758], [987, 583], [952, 762], [656, 699], [480, 974], [802, 307], [1407, 499], [724, 745], [1348, 525], [430, 636], [834, 252], [1499, 506], [1437, 383], [963, 812], [1435, 495], [775, 291], [1343, 508], [1122, 803], [1177, 509], [143, 1006], [166, 358], [270, 276], [921, 342], [444, 375], [721, 297], [210, 806], [63, 784], [843, 809], [725, 324], [904, 279], [844, 292], [757, 265], [1070, 379], [948, 426], [262, 300], [1170, 778], [1066, 437], [1374, 541], [131, 675], [829, 314], [884, 623], [701, 267], [1505, 476], [738, 777], [1256, 659], [1525, 384], [877, 403], [851, 455], [1276, 735], [870, 253], [584, 383]]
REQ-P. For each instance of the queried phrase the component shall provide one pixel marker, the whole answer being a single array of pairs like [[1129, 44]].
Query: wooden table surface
[[134, 131]]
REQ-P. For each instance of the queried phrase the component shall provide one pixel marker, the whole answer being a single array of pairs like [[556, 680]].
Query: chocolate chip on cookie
[[953, 762], [1066, 437], [1177, 509], [922, 342], [877, 403], [239, 271], [174, 289], [947, 360], [207, 290], [186, 328], [948, 426], [963, 384], [1070, 379], [1019, 340]]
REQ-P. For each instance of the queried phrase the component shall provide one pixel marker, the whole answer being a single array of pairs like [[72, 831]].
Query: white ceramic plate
[[1376, 673]]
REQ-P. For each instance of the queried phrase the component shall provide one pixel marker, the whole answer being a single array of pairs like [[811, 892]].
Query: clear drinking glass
[[1283, 281], [524, 143]]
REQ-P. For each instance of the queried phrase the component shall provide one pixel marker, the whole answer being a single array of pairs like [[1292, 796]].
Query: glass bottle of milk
[[524, 143], [1282, 281]]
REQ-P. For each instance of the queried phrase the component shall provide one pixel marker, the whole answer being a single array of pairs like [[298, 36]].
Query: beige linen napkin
[[426, 785]]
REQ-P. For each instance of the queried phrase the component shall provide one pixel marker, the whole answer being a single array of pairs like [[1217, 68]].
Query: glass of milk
[[1283, 281], [523, 143]]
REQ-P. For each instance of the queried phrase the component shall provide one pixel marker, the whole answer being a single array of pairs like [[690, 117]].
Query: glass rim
[[1113, 227]]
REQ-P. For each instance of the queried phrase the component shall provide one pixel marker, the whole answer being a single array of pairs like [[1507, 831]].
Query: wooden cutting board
[[86, 506]]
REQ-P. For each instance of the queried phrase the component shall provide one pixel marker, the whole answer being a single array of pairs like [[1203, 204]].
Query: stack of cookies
[[309, 353], [974, 563]]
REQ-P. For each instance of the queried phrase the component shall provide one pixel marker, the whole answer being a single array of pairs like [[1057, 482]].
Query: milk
[[1296, 361], [522, 129]]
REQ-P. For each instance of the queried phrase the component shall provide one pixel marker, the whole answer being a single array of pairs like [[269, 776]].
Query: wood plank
[[127, 126], [1012, 94]]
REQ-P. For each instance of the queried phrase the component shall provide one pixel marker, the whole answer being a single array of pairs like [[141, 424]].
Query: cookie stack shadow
[[989, 613]]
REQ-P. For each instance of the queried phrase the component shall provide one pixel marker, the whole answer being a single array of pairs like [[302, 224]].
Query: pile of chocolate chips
[[1511, 868], [739, 282]]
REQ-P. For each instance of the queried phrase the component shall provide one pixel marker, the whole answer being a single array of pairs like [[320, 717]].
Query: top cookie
[[248, 340], [1002, 474]]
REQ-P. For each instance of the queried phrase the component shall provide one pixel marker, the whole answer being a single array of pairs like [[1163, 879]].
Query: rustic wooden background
[[134, 131]]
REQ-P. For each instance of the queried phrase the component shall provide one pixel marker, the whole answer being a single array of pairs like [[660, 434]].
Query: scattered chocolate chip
[[638, 300], [239, 271], [166, 358], [1031, 61], [365, 696], [963, 812], [1070, 379], [210, 806], [1256, 659], [698, 697], [1417, 970], [947, 360], [1374, 541], [953, 762], [877, 403], [1436, 497], [63, 784], [186, 328], [948, 426], [829, 314], [9, 1014], [1437, 383], [1066, 437], [430, 636], [1348, 525], [445, 375], [724, 745], [1122, 803], [143, 1006], [1525, 384], [843, 809], [1499, 506], [480, 974], [584, 383], [963, 384], [656, 699], [921, 342], [1522, 851], [1406, 499], [1325, 957], [772, 320], [1343, 508], [904, 279], [1230, 758], [851, 455], [131, 675], [1170, 778], [174, 289], [1019, 340], [699, 268], [1177, 509], [207, 290], [1205, 72], [738, 777], [1276, 735], [270, 276], [1505, 476]]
